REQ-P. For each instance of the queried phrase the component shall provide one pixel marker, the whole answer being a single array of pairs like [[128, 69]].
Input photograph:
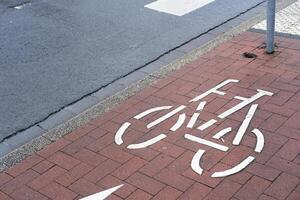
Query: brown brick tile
[[110, 181], [24, 165], [289, 132], [253, 188], [274, 138], [113, 153], [284, 86], [43, 166], [49, 176], [205, 178], [146, 154], [101, 142], [293, 122], [225, 190], [84, 187], [298, 188], [97, 133], [145, 183], [242, 177], [294, 196], [110, 126], [155, 165], [284, 165], [184, 87], [268, 152], [56, 191], [265, 197], [168, 149], [4, 196], [19, 181], [139, 194], [4, 178], [263, 171], [74, 174], [54, 147], [79, 132], [63, 160], [26, 193], [290, 150], [80, 170], [173, 179], [78, 145], [89, 157], [168, 193], [101, 171], [284, 110], [196, 192], [273, 123], [281, 97], [129, 168], [237, 155], [66, 179], [282, 186]]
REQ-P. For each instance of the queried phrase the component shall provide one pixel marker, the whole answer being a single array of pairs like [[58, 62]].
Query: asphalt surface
[[53, 52]]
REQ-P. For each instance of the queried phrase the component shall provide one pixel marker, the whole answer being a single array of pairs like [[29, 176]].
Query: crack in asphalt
[[120, 77]]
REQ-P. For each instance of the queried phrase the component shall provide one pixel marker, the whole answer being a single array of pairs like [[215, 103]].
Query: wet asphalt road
[[53, 52]]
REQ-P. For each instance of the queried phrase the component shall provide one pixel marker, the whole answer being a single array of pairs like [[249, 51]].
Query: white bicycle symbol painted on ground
[[182, 117]]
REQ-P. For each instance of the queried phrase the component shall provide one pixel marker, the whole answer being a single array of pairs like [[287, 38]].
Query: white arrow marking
[[102, 195]]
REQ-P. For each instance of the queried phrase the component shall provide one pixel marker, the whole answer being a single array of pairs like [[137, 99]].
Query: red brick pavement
[[88, 161]]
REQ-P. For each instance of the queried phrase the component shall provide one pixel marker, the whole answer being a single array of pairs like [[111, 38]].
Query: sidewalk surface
[[88, 161]]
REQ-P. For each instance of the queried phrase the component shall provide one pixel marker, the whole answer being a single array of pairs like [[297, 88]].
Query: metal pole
[[270, 26]]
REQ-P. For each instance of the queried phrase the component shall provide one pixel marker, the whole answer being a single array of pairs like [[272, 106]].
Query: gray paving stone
[[220, 30], [24, 136], [152, 67], [4, 149], [82, 105], [56, 119], [196, 42], [109, 90], [132, 78], [170, 57]]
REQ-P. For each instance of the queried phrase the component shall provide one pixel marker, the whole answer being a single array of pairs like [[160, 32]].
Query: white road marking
[[166, 116], [240, 98], [215, 90], [260, 140], [179, 122], [206, 142], [193, 120], [238, 137], [195, 164], [177, 7], [147, 143], [120, 132], [245, 102], [235, 169], [222, 133], [102, 195], [201, 106], [151, 110], [207, 124]]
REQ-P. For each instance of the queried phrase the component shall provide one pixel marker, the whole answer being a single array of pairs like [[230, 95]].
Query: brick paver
[[88, 161]]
